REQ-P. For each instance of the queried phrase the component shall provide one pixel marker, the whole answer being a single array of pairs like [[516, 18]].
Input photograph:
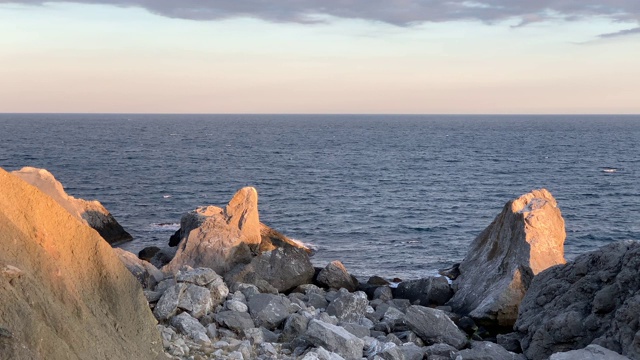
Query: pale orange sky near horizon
[[94, 58]]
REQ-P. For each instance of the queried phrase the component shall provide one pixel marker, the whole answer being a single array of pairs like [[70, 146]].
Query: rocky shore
[[229, 287]]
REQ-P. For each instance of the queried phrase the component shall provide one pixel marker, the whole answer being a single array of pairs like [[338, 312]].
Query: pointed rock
[[523, 240]]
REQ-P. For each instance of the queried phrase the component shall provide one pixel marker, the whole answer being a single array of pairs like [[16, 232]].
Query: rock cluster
[[91, 213]]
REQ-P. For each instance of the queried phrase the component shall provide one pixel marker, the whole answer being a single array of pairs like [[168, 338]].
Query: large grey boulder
[[189, 326], [336, 276], [426, 291], [91, 213], [593, 300], [269, 310], [282, 269], [433, 326], [334, 338], [591, 352], [485, 350], [349, 307], [234, 320], [523, 240]]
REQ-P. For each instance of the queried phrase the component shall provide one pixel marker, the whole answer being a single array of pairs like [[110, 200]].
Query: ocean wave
[[164, 226]]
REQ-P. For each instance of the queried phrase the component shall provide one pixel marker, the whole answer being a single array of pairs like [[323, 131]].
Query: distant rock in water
[[594, 299], [64, 294], [91, 213], [523, 240], [220, 239]]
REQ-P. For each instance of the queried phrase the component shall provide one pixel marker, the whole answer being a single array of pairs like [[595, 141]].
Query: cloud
[[397, 12], [621, 33]]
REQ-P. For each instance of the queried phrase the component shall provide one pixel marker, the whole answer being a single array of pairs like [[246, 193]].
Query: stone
[[200, 276], [349, 307], [335, 339], [444, 350], [403, 352], [91, 213], [485, 350], [591, 352], [383, 293], [294, 326], [236, 305], [321, 353], [148, 275], [336, 276], [167, 306], [64, 293], [196, 300], [434, 326], [218, 238], [425, 292], [526, 238], [233, 320], [283, 269], [510, 341], [189, 326], [269, 310], [358, 330], [594, 299]]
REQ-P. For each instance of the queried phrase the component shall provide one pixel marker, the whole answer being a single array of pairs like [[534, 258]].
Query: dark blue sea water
[[387, 195]]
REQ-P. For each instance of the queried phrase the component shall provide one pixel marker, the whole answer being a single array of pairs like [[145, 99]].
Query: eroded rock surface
[[64, 294], [523, 240], [91, 213], [594, 299]]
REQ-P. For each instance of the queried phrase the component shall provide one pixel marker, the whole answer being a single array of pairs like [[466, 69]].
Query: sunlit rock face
[[64, 294], [523, 240], [219, 238], [91, 213]]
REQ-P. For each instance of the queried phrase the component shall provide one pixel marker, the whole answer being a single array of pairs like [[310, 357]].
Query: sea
[[394, 196]]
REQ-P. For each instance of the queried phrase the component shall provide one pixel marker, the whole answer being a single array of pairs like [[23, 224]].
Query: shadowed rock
[[524, 239], [64, 294], [91, 213], [593, 300], [433, 326], [336, 276]]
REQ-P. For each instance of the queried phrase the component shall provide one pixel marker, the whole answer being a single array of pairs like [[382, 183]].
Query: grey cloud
[[397, 12], [622, 33]]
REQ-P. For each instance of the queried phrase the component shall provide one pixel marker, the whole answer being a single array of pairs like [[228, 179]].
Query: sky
[[320, 57]]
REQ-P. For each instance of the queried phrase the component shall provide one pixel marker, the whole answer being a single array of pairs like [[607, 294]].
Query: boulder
[[234, 320], [433, 327], [336, 276], [167, 306], [348, 307], [591, 352], [335, 339], [91, 213], [523, 240], [269, 310], [196, 300], [425, 292], [191, 327], [593, 300], [64, 294], [485, 350], [220, 239], [148, 275], [403, 352], [281, 269]]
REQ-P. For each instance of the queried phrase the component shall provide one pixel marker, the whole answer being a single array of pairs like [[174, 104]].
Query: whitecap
[[166, 196], [164, 226], [609, 170]]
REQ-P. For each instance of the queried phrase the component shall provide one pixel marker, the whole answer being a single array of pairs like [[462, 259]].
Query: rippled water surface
[[387, 195]]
